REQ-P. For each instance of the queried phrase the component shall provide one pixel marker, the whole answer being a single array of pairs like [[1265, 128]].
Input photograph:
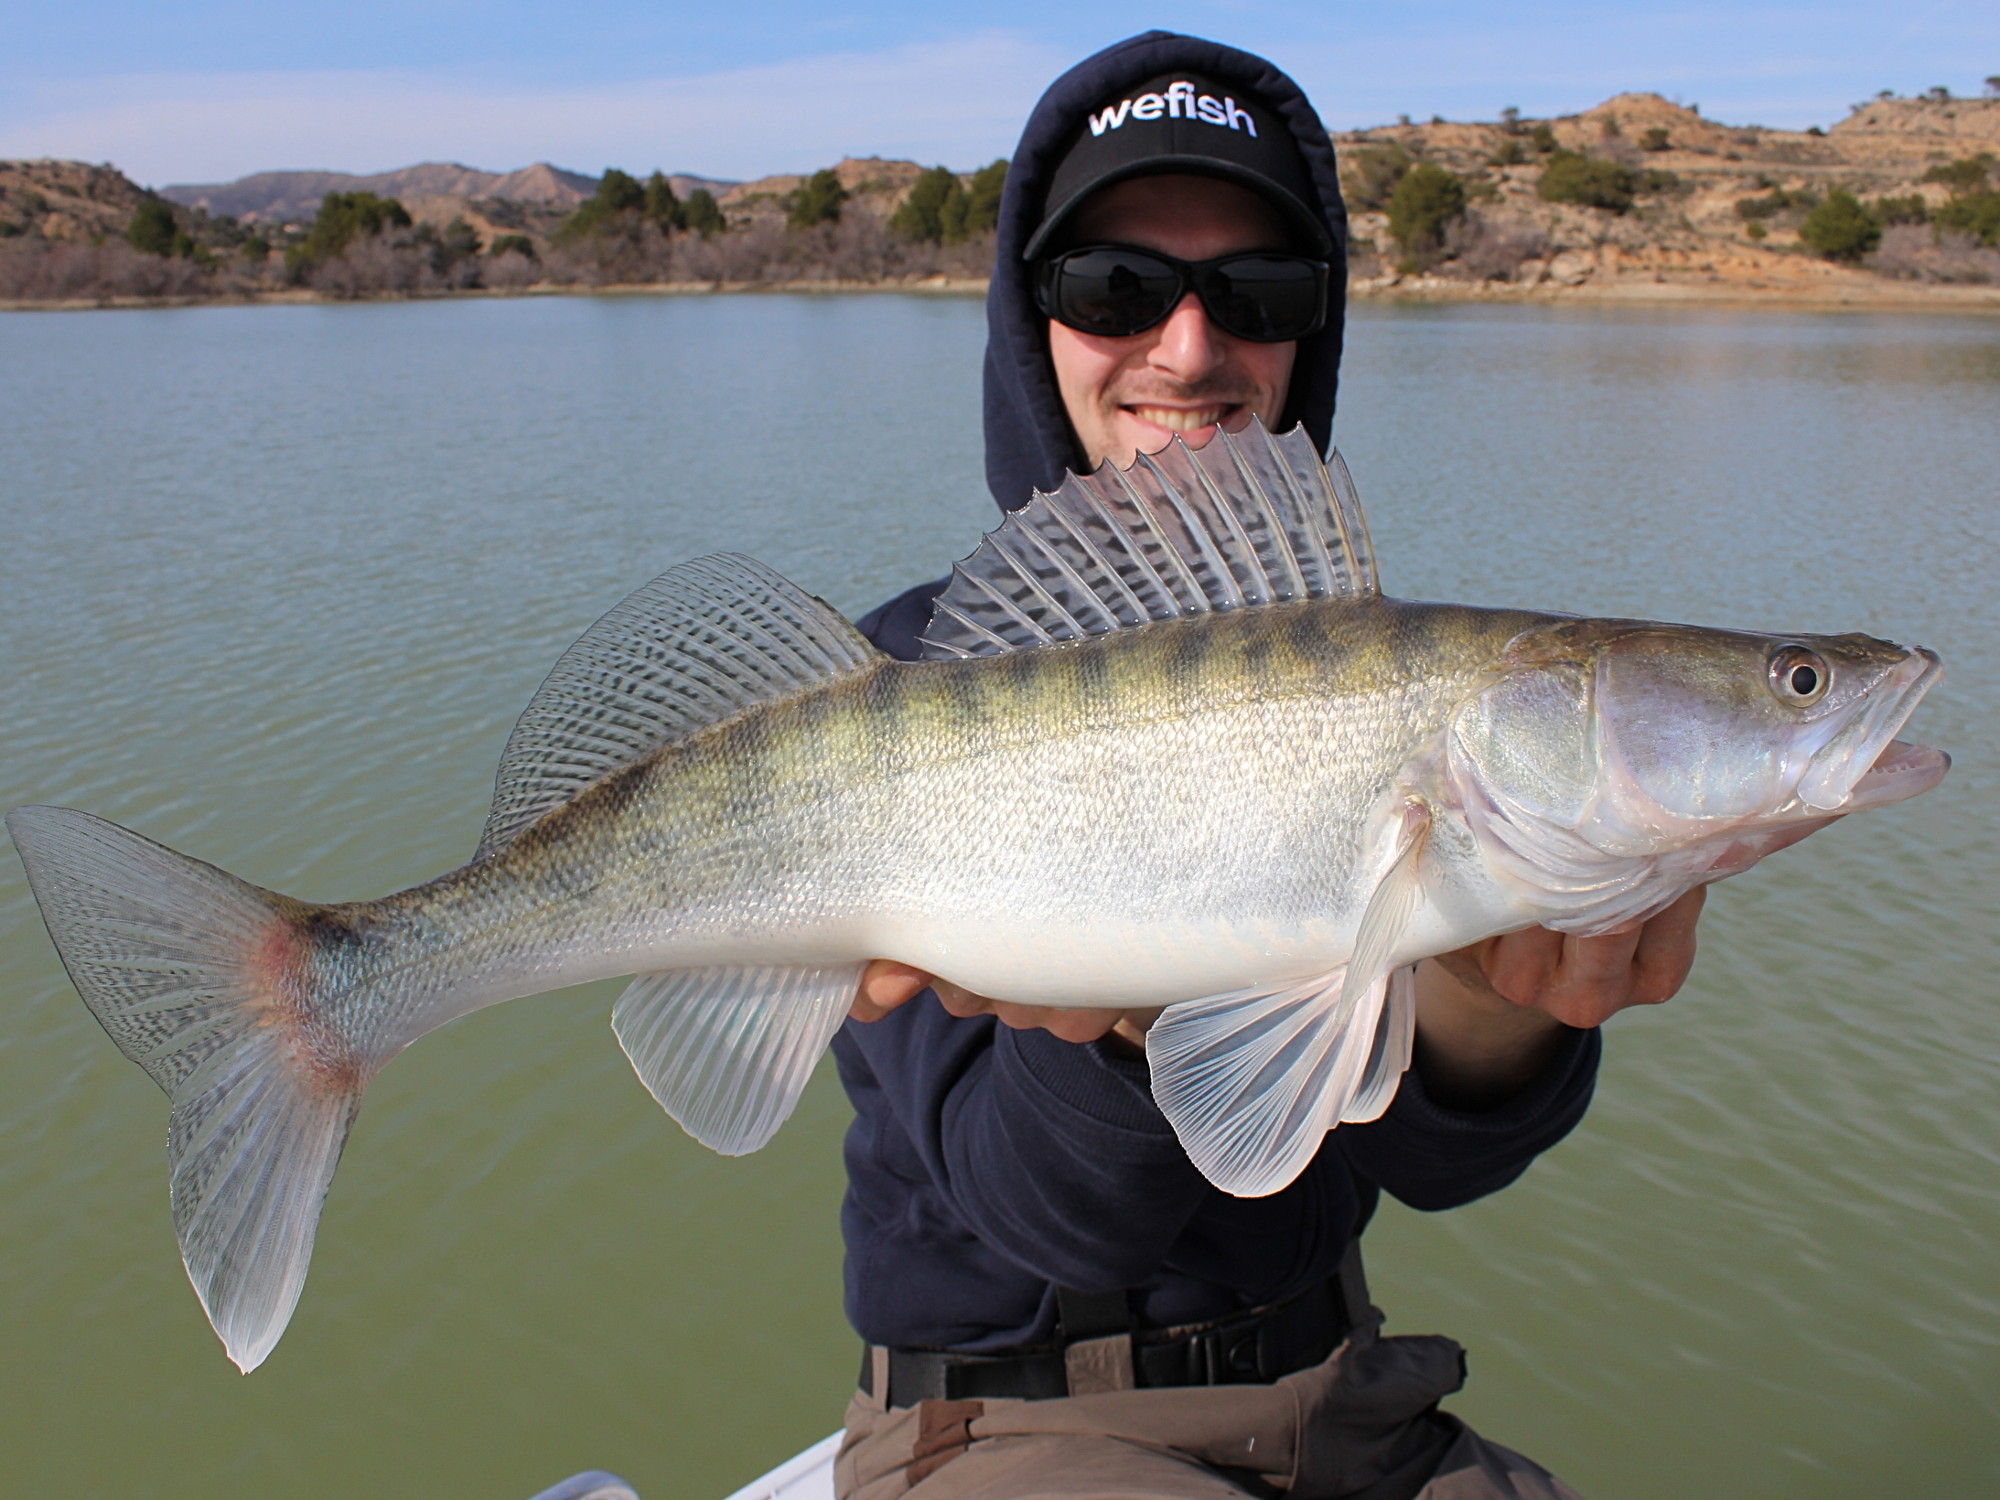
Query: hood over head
[[1029, 444]]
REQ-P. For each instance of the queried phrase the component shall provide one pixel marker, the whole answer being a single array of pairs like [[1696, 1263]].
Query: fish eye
[[1799, 677]]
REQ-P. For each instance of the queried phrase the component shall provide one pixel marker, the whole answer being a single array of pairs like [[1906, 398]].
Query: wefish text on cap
[[1178, 101]]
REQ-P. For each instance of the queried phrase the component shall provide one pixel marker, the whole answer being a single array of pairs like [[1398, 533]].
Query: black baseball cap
[[1185, 122]]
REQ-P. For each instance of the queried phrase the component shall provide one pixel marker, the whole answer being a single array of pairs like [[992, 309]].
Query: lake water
[[274, 583]]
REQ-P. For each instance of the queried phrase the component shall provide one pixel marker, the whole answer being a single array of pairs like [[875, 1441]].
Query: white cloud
[[960, 102]]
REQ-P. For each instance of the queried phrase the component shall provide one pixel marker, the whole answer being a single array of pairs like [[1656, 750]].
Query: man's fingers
[[1521, 966], [1601, 963], [1666, 950], [885, 985]]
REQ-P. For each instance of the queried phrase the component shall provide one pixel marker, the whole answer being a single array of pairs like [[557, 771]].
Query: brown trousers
[[1361, 1426]]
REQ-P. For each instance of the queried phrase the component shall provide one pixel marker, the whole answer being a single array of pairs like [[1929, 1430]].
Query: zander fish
[[1173, 748]]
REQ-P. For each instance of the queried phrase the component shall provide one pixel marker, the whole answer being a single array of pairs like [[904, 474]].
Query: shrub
[[618, 193], [933, 209], [1572, 177], [1544, 137], [982, 198], [511, 244], [1510, 154], [818, 202], [1911, 209], [1425, 200], [1774, 202], [1974, 214], [1916, 254], [1372, 174], [1755, 229], [343, 218], [1659, 180], [1841, 228], [660, 205], [153, 230], [701, 213], [1967, 174], [1484, 250], [1655, 139]]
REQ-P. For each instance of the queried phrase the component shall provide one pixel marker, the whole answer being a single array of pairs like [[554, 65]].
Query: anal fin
[[1252, 1080], [728, 1051]]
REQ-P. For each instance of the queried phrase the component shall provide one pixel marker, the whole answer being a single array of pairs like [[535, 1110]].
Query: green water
[[275, 581]]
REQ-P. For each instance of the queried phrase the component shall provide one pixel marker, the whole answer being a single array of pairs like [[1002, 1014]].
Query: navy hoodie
[[986, 1166]]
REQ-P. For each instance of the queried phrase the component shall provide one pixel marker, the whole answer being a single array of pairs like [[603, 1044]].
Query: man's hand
[[886, 985], [1488, 1016]]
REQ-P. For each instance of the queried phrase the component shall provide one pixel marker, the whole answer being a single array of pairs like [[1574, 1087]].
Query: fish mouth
[[1865, 765], [1901, 771]]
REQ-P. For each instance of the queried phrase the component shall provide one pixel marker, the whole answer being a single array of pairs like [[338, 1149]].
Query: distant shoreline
[[1872, 296]]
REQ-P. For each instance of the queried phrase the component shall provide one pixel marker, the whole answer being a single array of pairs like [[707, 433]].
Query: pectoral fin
[[728, 1051], [1252, 1080], [1390, 907]]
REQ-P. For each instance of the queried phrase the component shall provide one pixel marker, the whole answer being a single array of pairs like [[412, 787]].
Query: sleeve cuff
[[1563, 1085]]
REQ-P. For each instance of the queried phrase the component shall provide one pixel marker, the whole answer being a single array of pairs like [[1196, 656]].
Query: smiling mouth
[[1183, 418]]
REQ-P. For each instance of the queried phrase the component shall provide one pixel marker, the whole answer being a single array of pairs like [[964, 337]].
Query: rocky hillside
[[1685, 226], [64, 200]]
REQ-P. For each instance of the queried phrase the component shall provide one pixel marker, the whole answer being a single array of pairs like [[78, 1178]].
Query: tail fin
[[205, 982]]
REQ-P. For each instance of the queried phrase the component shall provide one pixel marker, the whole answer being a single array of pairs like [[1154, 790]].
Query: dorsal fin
[[702, 641], [1247, 519]]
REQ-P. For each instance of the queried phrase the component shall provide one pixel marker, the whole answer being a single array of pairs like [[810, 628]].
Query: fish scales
[[1173, 749]]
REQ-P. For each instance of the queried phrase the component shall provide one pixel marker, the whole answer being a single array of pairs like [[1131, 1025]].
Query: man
[[1055, 1301]]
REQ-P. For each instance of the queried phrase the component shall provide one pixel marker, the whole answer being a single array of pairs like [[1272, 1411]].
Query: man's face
[[1127, 396]]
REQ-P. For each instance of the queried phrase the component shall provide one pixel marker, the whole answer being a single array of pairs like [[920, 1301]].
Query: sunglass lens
[[1112, 292], [1264, 298]]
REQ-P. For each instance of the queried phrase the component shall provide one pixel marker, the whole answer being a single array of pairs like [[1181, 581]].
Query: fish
[[1169, 745]]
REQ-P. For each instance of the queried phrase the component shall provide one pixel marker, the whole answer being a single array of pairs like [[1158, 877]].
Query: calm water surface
[[275, 581]]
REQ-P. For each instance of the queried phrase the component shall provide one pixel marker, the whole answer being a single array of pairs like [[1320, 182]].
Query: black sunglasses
[[1264, 296]]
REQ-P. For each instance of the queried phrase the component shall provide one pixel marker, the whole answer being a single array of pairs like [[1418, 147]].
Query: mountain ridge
[[282, 196]]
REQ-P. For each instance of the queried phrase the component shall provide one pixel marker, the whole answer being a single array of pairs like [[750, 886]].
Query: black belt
[[1255, 1346]]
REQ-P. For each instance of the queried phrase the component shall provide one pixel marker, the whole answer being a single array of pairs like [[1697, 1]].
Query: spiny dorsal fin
[[702, 641], [1248, 519]]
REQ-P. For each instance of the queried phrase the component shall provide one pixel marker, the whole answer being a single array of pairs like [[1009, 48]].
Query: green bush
[[512, 244], [1572, 177], [1755, 229], [1425, 200], [255, 248], [818, 202], [701, 213], [343, 218], [1910, 209], [982, 197], [618, 193], [659, 204], [1655, 139], [1372, 174], [934, 209], [1841, 228], [1976, 214], [1775, 202], [1659, 180], [1543, 137], [1966, 175], [1510, 154], [153, 229]]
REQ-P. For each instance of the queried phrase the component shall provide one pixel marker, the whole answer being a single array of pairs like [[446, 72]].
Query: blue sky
[[204, 90]]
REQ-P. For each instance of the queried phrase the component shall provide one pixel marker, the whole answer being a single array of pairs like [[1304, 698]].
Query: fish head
[[1634, 739]]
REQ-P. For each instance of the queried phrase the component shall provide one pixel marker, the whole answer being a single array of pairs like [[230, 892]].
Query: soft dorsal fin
[[702, 641], [1248, 519]]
